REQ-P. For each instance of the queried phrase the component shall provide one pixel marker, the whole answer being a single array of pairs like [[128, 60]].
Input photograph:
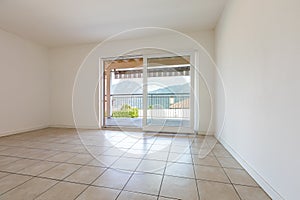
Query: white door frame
[[193, 63]]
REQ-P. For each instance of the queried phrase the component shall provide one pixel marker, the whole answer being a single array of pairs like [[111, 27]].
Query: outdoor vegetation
[[126, 111]]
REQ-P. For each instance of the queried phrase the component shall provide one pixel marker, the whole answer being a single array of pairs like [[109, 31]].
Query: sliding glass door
[[168, 93], [150, 92]]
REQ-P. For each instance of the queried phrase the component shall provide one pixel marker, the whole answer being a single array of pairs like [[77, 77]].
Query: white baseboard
[[61, 126], [206, 133], [73, 126], [13, 132], [253, 173]]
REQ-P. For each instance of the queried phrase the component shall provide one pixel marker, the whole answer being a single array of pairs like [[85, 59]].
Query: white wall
[[257, 50], [24, 85], [65, 63]]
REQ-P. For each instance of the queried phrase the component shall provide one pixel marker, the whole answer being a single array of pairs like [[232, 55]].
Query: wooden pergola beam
[[123, 64], [108, 84], [177, 60]]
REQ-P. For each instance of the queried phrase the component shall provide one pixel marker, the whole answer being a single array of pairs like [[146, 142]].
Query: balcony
[[163, 109]]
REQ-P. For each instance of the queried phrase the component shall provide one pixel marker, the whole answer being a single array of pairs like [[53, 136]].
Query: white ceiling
[[64, 22]]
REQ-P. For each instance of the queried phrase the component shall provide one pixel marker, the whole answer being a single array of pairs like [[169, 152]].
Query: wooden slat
[[138, 62], [176, 60], [123, 64], [108, 83]]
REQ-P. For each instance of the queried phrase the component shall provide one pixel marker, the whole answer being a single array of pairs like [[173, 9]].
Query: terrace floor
[[96, 164], [137, 122]]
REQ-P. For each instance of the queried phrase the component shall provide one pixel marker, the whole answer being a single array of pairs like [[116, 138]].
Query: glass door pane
[[123, 93], [168, 94]]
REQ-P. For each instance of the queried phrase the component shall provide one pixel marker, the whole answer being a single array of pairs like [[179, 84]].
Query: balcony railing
[[162, 105]]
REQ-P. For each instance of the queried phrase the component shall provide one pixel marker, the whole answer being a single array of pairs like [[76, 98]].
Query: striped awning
[[153, 72]]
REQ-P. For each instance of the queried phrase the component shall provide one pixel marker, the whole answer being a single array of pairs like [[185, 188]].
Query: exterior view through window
[[147, 93]]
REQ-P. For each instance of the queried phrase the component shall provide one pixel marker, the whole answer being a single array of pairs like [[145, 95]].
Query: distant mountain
[[130, 87], [182, 88], [127, 87]]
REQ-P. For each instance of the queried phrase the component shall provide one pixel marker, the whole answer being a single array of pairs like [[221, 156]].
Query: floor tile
[[251, 193], [58, 155], [209, 190], [180, 158], [163, 156], [210, 173], [98, 193], [220, 152], [135, 196], [103, 161], [144, 183], [182, 188], [113, 179], [18, 165], [239, 176], [80, 159], [29, 190], [229, 162], [13, 151], [115, 152], [62, 190], [86, 174], [2, 148], [4, 160], [129, 164], [166, 198], [124, 145], [38, 168], [11, 181], [180, 169], [179, 149], [152, 166], [207, 161], [134, 154], [141, 146], [96, 150], [160, 148], [183, 141], [60, 171], [141, 153], [202, 152], [3, 174], [41, 154], [61, 157]]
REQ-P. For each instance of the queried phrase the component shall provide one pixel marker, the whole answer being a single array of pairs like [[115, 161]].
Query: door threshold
[[131, 129], [136, 129]]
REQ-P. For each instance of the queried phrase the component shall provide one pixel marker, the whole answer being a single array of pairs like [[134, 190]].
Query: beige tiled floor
[[54, 164]]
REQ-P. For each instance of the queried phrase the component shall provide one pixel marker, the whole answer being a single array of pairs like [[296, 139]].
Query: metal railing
[[162, 105]]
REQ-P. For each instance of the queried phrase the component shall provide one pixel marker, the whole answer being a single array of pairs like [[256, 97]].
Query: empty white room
[[149, 100]]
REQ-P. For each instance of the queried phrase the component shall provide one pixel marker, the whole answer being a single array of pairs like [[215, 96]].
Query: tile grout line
[[16, 186], [57, 181], [62, 180], [78, 152], [163, 176], [228, 177], [109, 168], [36, 176], [132, 174], [85, 165], [196, 181], [102, 172]]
